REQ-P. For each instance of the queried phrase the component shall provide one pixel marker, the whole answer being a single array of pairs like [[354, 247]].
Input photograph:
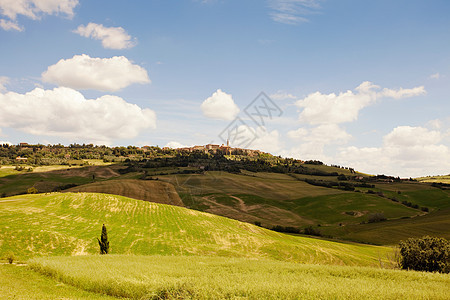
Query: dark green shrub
[[430, 254], [312, 231], [103, 241], [10, 257], [32, 190], [376, 217]]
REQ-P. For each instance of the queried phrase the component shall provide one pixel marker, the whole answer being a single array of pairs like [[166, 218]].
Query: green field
[[176, 277], [442, 179], [279, 199], [268, 198], [47, 178], [67, 224], [20, 282]]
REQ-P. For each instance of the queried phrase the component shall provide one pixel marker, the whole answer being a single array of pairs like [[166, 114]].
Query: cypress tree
[[103, 242]]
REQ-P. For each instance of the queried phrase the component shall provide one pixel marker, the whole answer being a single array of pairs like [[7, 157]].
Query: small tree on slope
[[103, 241]]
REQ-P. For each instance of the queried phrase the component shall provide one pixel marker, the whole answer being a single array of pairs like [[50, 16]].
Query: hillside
[[67, 224], [147, 190], [286, 194]]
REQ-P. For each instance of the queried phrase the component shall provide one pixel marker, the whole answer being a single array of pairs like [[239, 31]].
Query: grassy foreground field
[[169, 277], [68, 224], [20, 282]]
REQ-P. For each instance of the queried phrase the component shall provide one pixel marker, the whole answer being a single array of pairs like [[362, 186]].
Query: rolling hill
[[147, 190], [68, 223]]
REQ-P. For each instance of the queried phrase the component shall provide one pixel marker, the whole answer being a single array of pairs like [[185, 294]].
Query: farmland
[[68, 223]]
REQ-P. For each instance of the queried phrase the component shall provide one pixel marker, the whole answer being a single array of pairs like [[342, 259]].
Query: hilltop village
[[223, 149]]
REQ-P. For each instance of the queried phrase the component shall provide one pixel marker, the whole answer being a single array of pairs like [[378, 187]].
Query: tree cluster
[[430, 254]]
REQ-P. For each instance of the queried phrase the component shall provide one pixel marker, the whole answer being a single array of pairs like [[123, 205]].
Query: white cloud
[[280, 95], [33, 9], [435, 76], [111, 37], [312, 142], [64, 112], [258, 138], [3, 81], [297, 134], [220, 106], [105, 74], [403, 93], [292, 12], [175, 145], [407, 136], [406, 151], [318, 108], [435, 124], [10, 25]]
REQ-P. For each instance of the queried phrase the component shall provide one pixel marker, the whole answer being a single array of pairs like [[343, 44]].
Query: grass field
[[391, 232], [20, 282], [442, 178], [174, 277], [47, 178], [68, 224]]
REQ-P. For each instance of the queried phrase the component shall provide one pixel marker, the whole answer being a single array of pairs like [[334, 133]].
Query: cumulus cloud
[[33, 9], [256, 138], [407, 136], [403, 93], [435, 76], [105, 74], [64, 112], [10, 25], [406, 151], [318, 108], [3, 81], [175, 145], [292, 12], [280, 95], [313, 141], [111, 37], [220, 106], [435, 124]]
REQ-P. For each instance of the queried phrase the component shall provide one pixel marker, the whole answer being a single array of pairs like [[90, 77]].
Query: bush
[[10, 257], [430, 254], [376, 217], [32, 190], [312, 231], [287, 229]]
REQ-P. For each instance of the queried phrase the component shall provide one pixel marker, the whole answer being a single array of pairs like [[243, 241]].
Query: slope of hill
[[279, 199], [67, 224], [147, 190], [439, 179]]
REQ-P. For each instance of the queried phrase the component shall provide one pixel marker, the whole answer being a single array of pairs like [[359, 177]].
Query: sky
[[363, 84]]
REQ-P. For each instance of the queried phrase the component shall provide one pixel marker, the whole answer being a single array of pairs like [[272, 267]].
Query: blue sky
[[360, 83]]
